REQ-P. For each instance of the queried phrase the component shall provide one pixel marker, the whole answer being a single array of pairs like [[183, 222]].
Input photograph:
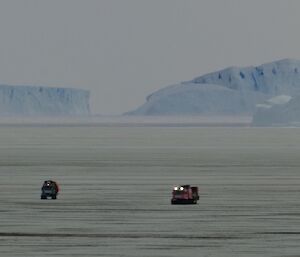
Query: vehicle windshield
[[178, 192], [48, 185]]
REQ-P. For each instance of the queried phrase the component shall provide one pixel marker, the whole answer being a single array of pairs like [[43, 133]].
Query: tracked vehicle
[[49, 189], [185, 194]]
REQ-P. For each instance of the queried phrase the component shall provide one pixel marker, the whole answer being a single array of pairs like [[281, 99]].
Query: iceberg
[[232, 91], [43, 101], [188, 99]]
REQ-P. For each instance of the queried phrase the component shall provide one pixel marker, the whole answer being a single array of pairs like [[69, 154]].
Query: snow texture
[[230, 91], [43, 101]]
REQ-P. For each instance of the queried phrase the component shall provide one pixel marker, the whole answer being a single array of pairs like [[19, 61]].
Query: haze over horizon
[[124, 50]]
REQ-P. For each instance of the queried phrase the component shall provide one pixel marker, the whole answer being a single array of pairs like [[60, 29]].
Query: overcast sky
[[123, 50]]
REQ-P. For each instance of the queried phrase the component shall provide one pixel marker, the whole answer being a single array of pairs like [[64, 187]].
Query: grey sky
[[122, 50]]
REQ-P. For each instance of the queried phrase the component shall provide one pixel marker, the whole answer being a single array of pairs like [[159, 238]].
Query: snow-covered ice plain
[[116, 184]]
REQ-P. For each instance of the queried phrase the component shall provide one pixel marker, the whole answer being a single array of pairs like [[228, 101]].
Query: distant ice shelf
[[232, 91], [43, 101]]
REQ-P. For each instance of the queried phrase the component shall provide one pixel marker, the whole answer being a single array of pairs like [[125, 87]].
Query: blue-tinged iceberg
[[230, 91], [43, 101], [281, 110]]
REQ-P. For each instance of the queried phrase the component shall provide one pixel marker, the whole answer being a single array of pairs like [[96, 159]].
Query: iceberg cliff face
[[282, 110], [44, 101], [272, 78], [230, 91]]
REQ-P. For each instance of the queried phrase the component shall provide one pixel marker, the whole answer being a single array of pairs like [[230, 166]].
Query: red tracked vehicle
[[185, 194]]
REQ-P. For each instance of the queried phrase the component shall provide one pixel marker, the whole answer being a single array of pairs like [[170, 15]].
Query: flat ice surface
[[116, 184]]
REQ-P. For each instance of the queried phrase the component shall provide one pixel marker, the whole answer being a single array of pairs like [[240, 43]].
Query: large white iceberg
[[191, 99], [230, 91], [43, 101]]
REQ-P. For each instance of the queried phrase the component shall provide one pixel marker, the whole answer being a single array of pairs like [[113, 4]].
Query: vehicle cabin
[[185, 194]]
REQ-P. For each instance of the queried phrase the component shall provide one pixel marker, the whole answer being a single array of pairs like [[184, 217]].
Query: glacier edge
[[43, 101]]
